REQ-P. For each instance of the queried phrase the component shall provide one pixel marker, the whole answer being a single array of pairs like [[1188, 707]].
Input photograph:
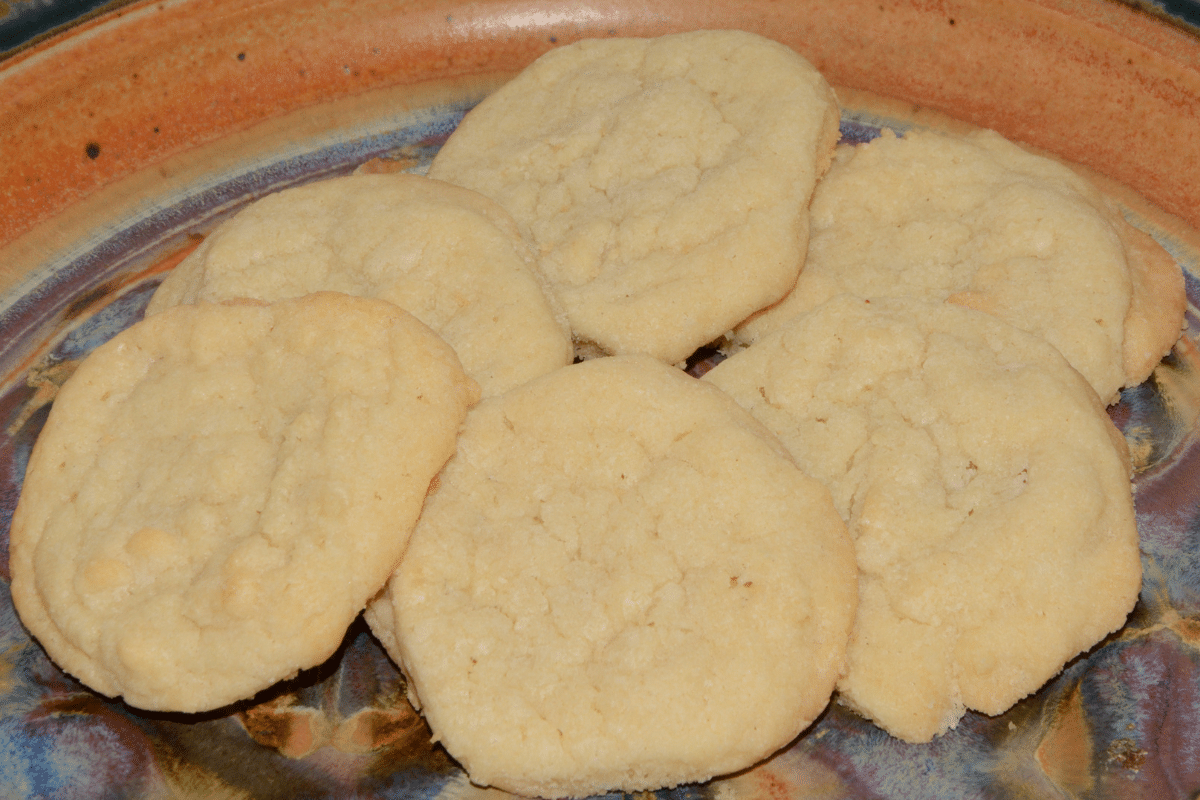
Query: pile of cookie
[[901, 488]]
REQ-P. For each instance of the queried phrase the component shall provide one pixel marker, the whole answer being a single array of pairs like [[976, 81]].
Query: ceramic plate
[[126, 138]]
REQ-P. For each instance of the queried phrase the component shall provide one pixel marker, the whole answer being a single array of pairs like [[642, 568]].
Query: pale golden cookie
[[662, 181], [985, 487], [220, 489], [449, 256], [982, 223], [621, 582]]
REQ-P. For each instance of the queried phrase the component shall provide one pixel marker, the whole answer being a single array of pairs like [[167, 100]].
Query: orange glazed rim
[[1098, 82]]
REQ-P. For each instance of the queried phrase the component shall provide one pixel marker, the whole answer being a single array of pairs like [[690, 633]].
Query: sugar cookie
[[220, 489], [621, 582], [662, 181], [982, 223], [986, 489], [449, 256]]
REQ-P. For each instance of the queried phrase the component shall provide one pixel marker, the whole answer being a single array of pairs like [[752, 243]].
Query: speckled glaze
[[126, 139]]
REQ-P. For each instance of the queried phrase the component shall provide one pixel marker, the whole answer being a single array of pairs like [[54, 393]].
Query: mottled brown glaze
[[1064, 753], [1097, 82]]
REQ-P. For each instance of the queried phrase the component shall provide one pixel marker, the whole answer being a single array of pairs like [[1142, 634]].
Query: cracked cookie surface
[[219, 490], [986, 489], [978, 221], [663, 182], [447, 255], [615, 552]]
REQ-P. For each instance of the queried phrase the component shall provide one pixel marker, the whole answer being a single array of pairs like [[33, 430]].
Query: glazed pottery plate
[[127, 137]]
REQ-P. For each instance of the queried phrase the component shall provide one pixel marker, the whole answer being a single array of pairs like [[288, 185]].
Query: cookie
[[985, 487], [220, 489], [978, 221], [622, 582], [449, 256], [662, 181]]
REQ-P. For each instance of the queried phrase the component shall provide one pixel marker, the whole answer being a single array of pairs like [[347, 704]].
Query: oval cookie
[[986, 489], [978, 221], [621, 582], [449, 256], [662, 181], [220, 489]]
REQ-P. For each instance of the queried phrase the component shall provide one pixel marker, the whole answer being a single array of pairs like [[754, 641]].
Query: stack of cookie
[[642, 578], [970, 453]]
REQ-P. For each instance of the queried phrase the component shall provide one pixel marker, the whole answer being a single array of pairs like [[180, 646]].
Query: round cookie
[[978, 221], [662, 181], [449, 256], [219, 490], [621, 582], [986, 489]]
